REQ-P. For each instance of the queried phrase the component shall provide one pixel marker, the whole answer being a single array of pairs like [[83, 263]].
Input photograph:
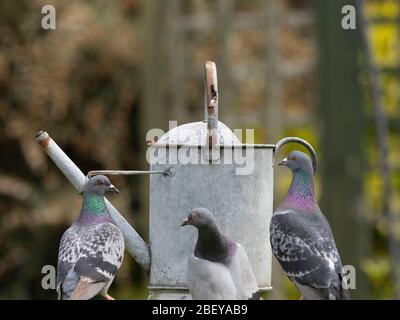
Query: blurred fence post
[[341, 123], [152, 111]]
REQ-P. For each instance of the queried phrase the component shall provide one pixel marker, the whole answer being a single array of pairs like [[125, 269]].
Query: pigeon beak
[[185, 223], [283, 162], [112, 188]]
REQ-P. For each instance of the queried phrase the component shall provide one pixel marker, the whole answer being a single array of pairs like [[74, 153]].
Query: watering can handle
[[211, 100], [308, 146]]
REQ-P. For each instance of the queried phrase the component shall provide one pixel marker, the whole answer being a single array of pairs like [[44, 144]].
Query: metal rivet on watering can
[[242, 204]]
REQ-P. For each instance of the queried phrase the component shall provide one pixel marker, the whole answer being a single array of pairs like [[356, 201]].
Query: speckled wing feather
[[89, 257], [304, 246]]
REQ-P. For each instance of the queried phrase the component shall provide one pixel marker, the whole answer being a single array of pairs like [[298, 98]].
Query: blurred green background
[[112, 70]]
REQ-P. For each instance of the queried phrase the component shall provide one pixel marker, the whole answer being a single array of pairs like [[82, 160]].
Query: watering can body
[[242, 205]]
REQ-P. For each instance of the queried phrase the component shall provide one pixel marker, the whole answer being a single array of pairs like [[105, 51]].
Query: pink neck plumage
[[301, 194]]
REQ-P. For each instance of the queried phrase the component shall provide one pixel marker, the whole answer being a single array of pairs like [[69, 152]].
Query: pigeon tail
[[338, 291]]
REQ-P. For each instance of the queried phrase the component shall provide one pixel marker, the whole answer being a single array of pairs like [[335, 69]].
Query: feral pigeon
[[219, 268], [301, 238], [92, 249]]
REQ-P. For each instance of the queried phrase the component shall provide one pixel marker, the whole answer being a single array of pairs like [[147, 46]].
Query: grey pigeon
[[92, 249], [301, 238], [219, 268]]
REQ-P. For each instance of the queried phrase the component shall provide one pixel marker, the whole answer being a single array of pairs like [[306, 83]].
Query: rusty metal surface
[[211, 97]]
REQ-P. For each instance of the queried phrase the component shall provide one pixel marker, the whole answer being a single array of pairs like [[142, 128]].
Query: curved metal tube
[[304, 143]]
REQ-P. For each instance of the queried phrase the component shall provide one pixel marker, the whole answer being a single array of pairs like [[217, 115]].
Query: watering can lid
[[196, 133]]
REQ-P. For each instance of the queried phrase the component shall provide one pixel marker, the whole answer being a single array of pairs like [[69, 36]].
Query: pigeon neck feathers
[[212, 245], [301, 195], [94, 209]]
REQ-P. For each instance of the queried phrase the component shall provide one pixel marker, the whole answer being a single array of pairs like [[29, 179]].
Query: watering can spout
[[134, 244]]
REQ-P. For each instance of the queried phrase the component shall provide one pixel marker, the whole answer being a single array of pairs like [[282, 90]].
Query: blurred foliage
[[81, 84]]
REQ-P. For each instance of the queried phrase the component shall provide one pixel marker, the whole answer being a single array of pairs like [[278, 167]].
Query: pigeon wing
[[308, 257], [210, 280]]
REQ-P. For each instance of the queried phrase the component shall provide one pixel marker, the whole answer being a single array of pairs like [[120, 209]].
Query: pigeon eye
[[194, 216], [100, 182], [293, 158]]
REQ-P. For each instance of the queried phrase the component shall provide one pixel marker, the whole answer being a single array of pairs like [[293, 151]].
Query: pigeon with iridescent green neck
[[92, 249], [301, 238]]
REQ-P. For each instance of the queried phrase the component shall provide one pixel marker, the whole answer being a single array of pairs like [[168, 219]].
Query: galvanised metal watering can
[[201, 164]]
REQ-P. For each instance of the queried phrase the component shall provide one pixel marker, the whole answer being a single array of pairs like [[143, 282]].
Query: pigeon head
[[298, 161], [99, 185], [199, 217]]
